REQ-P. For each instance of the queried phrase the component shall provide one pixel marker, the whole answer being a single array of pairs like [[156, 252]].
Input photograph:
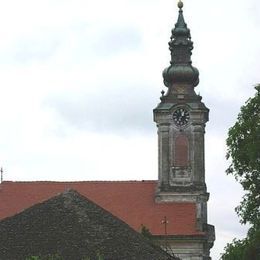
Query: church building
[[174, 207]]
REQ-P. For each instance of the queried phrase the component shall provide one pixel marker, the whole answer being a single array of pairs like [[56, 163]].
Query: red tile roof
[[131, 201]]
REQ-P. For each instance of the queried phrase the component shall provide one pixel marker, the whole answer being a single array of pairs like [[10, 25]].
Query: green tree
[[244, 249], [235, 250], [146, 232], [243, 145]]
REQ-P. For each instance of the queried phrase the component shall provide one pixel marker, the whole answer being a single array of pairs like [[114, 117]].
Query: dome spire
[[180, 71]]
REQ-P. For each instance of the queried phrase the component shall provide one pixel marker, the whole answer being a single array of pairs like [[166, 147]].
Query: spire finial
[[180, 4], [180, 70]]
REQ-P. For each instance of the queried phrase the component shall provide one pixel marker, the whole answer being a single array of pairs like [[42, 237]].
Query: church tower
[[181, 117]]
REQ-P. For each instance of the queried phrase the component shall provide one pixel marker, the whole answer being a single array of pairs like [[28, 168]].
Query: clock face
[[181, 116]]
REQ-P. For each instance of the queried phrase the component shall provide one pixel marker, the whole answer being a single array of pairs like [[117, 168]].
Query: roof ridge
[[89, 181]]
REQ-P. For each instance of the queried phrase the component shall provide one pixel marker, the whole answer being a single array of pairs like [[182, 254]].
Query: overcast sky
[[79, 80]]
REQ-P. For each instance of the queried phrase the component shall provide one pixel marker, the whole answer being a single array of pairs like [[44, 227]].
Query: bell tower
[[181, 117]]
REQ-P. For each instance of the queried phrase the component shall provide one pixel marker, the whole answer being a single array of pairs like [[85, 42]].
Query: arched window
[[181, 153]]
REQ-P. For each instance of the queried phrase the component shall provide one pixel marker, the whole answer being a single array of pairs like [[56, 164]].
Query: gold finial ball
[[180, 4]]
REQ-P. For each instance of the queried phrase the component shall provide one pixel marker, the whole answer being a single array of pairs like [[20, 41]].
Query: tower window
[[181, 155]]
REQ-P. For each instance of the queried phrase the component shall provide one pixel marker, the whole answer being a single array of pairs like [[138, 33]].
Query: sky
[[79, 80]]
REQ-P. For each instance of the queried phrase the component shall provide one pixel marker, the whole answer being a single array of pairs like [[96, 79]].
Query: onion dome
[[181, 71]]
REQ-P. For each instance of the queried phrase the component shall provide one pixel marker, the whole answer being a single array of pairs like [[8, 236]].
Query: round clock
[[181, 116]]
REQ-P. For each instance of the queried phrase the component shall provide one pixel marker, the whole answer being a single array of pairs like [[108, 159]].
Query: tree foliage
[[244, 249], [146, 232], [243, 144], [235, 250]]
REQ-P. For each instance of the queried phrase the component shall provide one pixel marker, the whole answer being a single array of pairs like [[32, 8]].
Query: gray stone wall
[[186, 249]]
